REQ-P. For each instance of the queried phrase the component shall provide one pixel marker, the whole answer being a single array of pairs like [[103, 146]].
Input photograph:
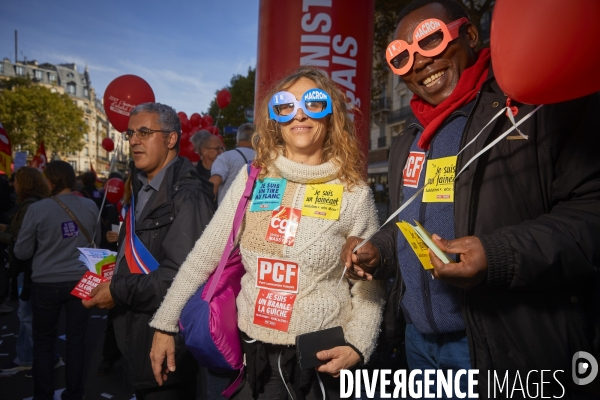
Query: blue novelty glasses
[[315, 103]]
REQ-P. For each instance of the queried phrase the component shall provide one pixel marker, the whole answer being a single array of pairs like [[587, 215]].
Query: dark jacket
[[535, 206], [172, 221], [9, 238]]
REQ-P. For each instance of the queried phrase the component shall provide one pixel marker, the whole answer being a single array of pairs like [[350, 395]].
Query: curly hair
[[31, 184], [340, 145]]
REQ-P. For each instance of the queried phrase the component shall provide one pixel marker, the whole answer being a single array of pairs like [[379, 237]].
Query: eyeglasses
[[430, 38], [142, 133], [221, 148], [283, 106]]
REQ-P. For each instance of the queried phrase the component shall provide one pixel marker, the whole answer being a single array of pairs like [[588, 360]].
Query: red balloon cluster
[[189, 127], [122, 95], [115, 188]]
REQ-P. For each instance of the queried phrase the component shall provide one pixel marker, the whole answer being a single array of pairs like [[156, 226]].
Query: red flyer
[[86, 284], [273, 309]]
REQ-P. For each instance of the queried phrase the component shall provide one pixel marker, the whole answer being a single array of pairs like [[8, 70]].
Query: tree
[[32, 113], [242, 96]]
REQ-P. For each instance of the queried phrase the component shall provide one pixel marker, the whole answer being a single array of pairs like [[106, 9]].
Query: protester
[[51, 232], [31, 187], [523, 225], [227, 165], [314, 147], [89, 189], [208, 147], [170, 207]]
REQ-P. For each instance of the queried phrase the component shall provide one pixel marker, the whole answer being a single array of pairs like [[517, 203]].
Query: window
[[71, 88], [51, 77], [70, 75], [85, 92], [37, 74], [1, 68], [19, 70], [73, 164], [85, 137], [86, 152]]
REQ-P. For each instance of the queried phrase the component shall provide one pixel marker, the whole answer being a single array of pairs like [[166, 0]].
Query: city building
[[66, 78]]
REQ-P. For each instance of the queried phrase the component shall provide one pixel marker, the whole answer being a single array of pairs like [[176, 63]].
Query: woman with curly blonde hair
[[309, 198]]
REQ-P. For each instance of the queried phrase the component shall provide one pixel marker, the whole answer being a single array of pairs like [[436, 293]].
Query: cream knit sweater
[[320, 302]]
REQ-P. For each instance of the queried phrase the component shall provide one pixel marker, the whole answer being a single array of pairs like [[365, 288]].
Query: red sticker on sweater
[[273, 309], [277, 275], [413, 168], [283, 225]]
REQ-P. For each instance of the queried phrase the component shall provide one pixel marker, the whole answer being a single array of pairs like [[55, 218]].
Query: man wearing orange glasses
[[511, 194]]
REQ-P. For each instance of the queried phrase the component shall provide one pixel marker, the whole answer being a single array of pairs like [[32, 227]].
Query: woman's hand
[[163, 346], [111, 236], [341, 357]]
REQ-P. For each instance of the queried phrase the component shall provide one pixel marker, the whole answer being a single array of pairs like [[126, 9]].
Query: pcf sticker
[[413, 168], [277, 275], [283, 225], [273, 309]]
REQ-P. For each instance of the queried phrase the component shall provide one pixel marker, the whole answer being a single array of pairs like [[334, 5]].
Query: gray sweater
[[48, 226]]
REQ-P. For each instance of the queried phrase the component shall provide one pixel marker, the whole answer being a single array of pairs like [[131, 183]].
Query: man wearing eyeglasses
[[520, 223], [170, 208], [227, 165]]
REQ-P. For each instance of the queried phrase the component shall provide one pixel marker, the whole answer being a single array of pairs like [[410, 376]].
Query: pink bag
[[208, 322]]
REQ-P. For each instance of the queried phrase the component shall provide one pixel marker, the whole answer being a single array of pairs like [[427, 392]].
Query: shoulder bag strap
[[242, 154], [237, 222], [79, 224]]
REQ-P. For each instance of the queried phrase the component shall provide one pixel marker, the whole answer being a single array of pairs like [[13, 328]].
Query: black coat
[[172, 221], [535, 206]]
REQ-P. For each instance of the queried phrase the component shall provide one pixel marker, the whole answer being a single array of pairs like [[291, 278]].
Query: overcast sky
[[185, 50]]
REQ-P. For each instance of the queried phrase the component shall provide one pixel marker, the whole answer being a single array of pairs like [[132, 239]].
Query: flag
[[39, 160], [5, 152], [99, 185]]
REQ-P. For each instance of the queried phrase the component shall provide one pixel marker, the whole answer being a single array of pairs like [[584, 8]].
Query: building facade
[[66, 78]]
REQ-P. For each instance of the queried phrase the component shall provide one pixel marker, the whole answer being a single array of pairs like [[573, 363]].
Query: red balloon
[[223, 98], [186, 126], [182, 116], [122, 95], [186, 148], [196, 119], [108, 144], [208, 120], [114, 188], [540, 53]]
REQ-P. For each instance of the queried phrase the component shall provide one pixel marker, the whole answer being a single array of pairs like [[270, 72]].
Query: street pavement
[[15, 386]]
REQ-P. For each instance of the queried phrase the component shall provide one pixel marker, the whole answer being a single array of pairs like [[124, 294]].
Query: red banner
[[40, 159], [335, 35], [5, 152]]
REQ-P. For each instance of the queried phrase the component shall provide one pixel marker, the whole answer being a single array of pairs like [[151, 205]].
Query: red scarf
[[432, 117]]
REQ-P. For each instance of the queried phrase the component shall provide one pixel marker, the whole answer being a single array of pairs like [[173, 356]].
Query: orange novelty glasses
[[430, 38]]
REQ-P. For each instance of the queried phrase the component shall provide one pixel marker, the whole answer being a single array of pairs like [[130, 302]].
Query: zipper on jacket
[[425, 276]]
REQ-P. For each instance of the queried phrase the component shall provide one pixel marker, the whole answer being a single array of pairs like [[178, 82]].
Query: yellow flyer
[[416, 243], [323, 201], [439, 179]]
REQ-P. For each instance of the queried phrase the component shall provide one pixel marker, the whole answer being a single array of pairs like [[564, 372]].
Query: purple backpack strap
[[237, 222]]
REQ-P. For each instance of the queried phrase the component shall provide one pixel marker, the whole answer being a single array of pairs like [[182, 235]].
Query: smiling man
[[170, 207], [521, 223]]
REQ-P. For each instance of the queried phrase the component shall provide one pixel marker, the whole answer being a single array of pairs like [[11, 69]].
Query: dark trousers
[[47, 301], [110, 349], [178, 391], [276, 389]]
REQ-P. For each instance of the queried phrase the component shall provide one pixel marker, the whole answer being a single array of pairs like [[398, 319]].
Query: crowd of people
[[520, 222]]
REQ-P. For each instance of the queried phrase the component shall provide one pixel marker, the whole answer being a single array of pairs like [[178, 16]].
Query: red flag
[[5, 152], [98, 182], [39, 160]]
